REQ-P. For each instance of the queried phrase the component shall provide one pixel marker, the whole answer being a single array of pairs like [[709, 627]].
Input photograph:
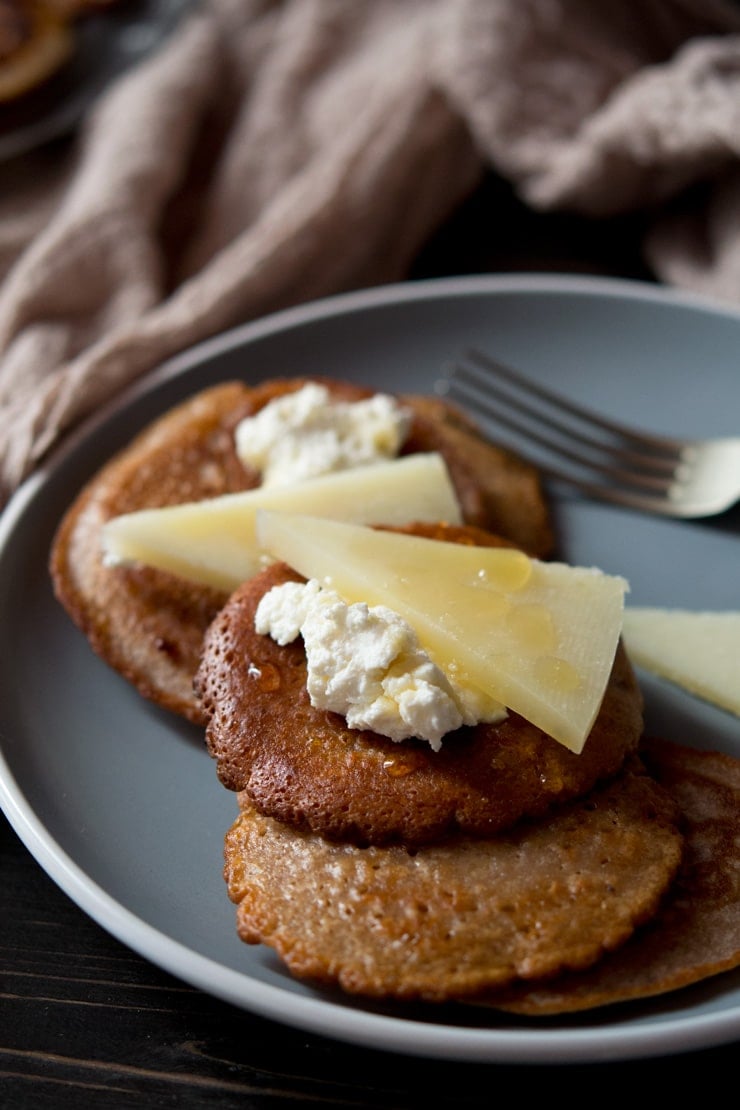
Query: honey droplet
[[533, 627], [505, 570], [398, 766], [495, 606], [265, 675], [557, 674]]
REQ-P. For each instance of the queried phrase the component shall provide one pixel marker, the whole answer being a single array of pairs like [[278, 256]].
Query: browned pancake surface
[[146, 624], [696, 933], [149, 625], [306, 767], [454, 919]]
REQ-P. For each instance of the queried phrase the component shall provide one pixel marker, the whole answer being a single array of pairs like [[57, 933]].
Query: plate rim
[[599, 1043]]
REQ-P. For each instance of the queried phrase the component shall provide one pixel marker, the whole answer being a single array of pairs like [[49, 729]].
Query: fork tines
[[602, 458]]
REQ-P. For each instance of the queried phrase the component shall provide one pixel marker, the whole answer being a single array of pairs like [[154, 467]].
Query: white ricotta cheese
[[539, 637], [365, 662], [305, 433]]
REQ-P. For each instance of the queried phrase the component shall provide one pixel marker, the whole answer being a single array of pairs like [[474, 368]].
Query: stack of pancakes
[[503, 869]]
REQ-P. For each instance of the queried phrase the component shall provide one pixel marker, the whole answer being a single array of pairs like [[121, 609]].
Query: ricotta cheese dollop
[[306, 433], [366, 663]]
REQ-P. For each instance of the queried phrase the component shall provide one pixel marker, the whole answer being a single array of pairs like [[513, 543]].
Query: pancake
[[304, 766], [38, 39], [35, 42], [146, 624], [696, 933], [450, 920], [149, 625]]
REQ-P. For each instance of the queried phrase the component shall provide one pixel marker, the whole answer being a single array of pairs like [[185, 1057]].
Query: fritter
[[448, 921], [149, 625], [306, 767], [146, 624], [696, 933], [35, 42]]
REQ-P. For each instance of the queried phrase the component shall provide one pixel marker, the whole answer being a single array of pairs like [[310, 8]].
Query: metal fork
[[603, 459]]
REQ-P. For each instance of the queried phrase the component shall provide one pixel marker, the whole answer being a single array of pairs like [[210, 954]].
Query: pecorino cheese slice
[[538, 637], [213, 541], [697, 650]]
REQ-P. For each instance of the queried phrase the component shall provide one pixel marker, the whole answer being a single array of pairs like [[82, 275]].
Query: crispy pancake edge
[[696, 933], [450, 921]]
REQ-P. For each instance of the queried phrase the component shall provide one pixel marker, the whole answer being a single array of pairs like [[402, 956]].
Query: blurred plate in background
[[106, 44]]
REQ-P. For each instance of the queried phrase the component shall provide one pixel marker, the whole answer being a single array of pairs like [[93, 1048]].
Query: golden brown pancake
[[35, 41], [696, 933], [306, 767], [149, 625], [146, 624], [451, 920]]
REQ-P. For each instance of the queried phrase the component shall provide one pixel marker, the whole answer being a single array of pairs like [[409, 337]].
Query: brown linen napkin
[[274, 152]]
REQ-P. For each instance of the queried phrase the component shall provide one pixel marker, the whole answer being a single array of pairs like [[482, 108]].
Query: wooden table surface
[[85, 1022]]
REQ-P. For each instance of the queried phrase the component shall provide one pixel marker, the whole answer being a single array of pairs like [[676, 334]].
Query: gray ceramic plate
[[120, 803]]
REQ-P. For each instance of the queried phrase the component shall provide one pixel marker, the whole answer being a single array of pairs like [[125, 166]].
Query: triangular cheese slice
[[538, 637], [213, 541], [697, 650]]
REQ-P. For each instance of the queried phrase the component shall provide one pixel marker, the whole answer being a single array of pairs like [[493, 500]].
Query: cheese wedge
[[538, 637], [699, 651], [212, 542]]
